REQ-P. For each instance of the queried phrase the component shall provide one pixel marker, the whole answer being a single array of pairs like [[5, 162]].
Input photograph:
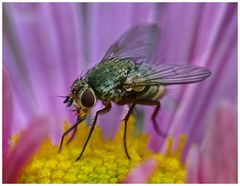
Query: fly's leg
[[154, 115], [72, 136], [106, 109], [155, 125], [75, 129], [79, 120], [125, 128]]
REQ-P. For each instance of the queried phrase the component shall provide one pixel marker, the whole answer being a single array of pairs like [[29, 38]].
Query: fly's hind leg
[[154, 115]]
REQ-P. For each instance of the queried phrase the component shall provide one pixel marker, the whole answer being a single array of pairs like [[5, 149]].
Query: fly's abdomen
[[152, 93]]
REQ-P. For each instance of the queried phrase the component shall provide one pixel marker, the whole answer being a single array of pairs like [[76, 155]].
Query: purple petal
[[216, 162], [207, 37], [26, 147], [7, 114], [142, 173], [42, 46]]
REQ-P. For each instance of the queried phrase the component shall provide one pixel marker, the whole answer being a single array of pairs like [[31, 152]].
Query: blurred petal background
[[215, 160], [47, 45]]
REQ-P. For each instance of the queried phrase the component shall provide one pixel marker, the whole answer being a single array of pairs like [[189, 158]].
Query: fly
[[125, 75]]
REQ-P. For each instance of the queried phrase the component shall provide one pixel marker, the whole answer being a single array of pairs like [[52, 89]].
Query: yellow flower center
[[104, 160]]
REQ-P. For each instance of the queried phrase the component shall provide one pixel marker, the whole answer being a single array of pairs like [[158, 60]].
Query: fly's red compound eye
[[88, 98]]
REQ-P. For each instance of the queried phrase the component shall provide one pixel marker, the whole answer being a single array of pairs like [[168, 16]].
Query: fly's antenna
[[72, 110], [67, 100], [61, 96]]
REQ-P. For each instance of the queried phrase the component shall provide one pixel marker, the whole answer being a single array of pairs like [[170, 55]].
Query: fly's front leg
[[74, 127], [154, 115], [72, 136], [79, 112], [106, 109]]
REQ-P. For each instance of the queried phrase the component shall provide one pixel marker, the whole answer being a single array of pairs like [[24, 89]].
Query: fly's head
[[81, 96]]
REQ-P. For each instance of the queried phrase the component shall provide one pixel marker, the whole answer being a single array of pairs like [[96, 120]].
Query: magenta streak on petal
[[142, 173], [26, 147], [7, 114]]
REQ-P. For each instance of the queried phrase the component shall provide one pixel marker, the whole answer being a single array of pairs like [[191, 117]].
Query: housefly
[[125, 75]]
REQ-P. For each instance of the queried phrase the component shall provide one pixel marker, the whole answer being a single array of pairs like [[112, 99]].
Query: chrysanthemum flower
[[104, 161], [46, 46]]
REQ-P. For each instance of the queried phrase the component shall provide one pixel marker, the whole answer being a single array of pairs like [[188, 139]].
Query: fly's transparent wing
[[166, 74], [136, 43]]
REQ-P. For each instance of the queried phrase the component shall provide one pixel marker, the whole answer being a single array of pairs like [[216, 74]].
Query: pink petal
[[218, 155], [194, 165], [26, 147], [142, 173]]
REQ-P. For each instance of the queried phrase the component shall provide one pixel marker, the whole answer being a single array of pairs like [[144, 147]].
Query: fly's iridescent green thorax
[[107, 79]]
